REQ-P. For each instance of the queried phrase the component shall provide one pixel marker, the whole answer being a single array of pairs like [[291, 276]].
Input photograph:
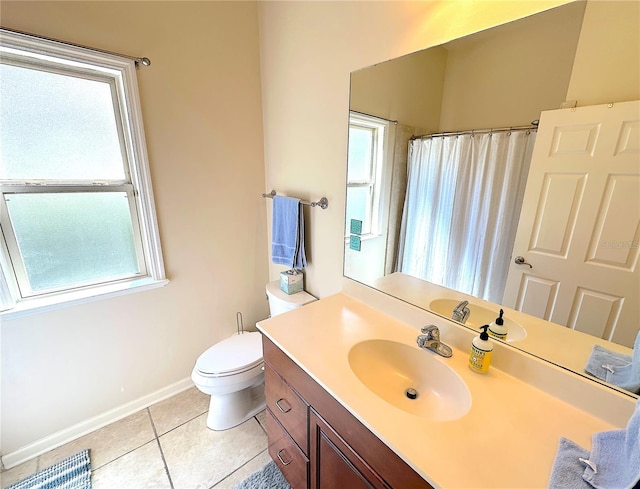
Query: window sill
[[82, 296]]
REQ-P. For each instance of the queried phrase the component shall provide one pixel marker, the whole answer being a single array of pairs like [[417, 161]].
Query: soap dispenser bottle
[[481, 351], [498, 329]]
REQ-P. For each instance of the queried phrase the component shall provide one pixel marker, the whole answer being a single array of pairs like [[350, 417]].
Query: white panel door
[[580, 223]]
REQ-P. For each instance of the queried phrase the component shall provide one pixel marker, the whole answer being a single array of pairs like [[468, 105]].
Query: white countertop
[[508, 438]]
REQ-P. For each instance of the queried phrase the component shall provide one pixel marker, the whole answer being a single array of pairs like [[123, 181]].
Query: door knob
[[519, 260]]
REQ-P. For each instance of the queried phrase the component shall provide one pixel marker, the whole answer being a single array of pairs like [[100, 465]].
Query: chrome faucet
[[461, 312], [430, 340]]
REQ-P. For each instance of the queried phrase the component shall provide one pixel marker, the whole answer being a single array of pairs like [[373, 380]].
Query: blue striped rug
[[73, 472]]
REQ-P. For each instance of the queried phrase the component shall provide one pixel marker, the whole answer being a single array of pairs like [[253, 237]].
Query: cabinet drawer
[[286, 454], [288, 408]]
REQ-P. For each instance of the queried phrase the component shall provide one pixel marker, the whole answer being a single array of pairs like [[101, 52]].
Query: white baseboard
[[80, 429]]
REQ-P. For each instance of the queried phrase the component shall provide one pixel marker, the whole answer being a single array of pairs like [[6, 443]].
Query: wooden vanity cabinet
[[335, 449], [333, 460]]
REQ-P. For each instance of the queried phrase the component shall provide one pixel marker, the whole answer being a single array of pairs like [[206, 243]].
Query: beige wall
[[407, 89], [507, 76], [490, 79], [607, 64], [201, 104], [308, 50]]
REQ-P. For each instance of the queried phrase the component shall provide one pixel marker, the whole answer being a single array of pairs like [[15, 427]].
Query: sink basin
[[389, 368], [479, 316]]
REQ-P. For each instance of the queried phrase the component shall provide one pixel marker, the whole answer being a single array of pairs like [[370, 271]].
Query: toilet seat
[[232, 356]]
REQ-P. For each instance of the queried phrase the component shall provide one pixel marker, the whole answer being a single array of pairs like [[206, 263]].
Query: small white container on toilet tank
[[232, 371]]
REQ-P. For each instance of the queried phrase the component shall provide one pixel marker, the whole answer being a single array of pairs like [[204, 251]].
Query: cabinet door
[[334, 463]]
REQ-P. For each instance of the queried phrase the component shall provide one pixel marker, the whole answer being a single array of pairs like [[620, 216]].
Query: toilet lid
[[238, 353]]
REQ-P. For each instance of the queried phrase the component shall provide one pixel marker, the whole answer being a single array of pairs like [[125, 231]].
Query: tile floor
[[166, 446]]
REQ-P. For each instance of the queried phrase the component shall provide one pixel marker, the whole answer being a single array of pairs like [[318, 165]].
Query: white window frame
[[380, 179], [68, 59]]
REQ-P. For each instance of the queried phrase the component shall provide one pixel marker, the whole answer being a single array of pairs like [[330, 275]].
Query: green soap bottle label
[[498, 335]]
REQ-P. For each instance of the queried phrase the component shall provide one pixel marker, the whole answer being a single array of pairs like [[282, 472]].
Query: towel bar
[[322, 203]]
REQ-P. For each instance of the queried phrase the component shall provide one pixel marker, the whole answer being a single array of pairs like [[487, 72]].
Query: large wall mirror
[[470, 184]]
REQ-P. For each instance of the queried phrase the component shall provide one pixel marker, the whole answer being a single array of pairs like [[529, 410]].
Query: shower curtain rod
[[137, 59], [533, 125]]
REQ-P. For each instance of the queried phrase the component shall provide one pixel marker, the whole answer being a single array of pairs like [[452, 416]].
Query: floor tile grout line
[[243, 465], [248, 461], [94, 469], [133, 449], [182, 423], [164, 460], [37, 459], [156, 436]]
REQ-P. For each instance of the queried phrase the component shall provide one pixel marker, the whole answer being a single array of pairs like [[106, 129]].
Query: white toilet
[[232, 371]]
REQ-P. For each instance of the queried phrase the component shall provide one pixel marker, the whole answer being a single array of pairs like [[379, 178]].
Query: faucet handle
[[432, 331]]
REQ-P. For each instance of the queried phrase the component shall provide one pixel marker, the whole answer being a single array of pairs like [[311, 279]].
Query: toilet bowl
[[232, 371]]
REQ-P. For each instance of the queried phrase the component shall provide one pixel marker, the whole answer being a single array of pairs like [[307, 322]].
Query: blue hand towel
[[616, 368], [614, 462], [287, 234], [568, 467]]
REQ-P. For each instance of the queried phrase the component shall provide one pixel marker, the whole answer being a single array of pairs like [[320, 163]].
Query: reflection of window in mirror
[[367, 173]]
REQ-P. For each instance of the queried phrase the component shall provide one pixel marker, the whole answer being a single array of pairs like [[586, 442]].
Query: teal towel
[[616, 368]]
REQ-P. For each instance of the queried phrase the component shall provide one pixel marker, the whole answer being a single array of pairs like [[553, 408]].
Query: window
[[76, 207], [368, 144]]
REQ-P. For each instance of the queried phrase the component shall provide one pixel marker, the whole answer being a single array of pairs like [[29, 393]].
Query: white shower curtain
[[461, 209]]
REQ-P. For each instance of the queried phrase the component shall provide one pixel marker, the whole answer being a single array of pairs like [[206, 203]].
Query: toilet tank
[[280, 302]]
